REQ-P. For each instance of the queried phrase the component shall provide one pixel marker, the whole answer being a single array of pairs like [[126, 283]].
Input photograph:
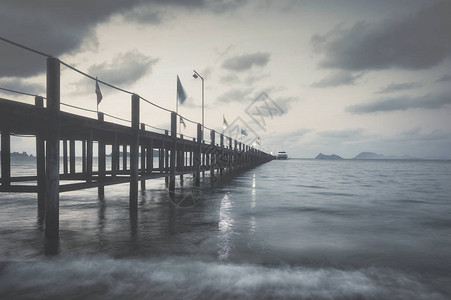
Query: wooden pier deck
[[52, 127]]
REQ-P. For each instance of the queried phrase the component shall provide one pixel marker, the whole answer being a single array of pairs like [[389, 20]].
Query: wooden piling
[[197, 156], [40, 165], [143, 161], [52, 149], [101, 162], [89, 155], [114, 157], [212, 155], [134, 150], [65, 161], [72, 156], [6, 158], [173, 148]]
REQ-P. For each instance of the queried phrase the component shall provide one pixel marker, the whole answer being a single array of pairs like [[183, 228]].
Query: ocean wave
[[101, 277]]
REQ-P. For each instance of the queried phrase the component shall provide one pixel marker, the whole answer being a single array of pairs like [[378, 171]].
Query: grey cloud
[[124, 69], [235, 95], [246, 61], [337, 79], [444, 78], [62, 27], [345, 134], [285, 103], [416, 41], [401, 103], [395, 87], [20, 85]]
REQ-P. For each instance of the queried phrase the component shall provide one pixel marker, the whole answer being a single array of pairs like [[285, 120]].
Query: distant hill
[[372, 155], [18, 154], [328, 157]]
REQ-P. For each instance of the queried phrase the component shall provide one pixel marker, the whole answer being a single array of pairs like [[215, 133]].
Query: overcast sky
[[339, 76]]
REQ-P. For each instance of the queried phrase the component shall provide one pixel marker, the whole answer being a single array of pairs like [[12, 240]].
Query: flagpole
[[177, 105]]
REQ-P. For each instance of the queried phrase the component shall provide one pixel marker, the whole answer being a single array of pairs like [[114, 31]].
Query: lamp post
[[195, 75]]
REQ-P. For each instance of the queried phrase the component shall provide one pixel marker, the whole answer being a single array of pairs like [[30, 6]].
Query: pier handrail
[[99, 81]]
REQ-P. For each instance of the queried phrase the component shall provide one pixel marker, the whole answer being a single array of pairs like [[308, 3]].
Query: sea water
[[295, 229]]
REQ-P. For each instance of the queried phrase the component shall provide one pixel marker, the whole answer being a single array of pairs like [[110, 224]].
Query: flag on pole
[[243, 132], [181, 94], [182, 122], [98, 92], [224, 122]]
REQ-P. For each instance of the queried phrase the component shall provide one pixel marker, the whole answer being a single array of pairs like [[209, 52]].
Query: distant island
[[18, 154], [328, 157], [364, 155], [372, 155]]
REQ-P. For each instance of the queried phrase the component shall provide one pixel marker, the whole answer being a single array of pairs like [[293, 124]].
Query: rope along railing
[[100, 81]]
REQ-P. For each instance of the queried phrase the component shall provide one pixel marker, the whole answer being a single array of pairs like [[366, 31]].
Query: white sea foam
[[100, 277]]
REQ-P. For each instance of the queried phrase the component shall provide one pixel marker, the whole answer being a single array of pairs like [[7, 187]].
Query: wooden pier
[[177, 156]]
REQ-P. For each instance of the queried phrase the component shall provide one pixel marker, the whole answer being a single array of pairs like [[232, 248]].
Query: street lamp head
[[195, 75]]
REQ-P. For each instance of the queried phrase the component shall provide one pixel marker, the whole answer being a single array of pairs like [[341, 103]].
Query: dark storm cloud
[[59, 27], [415, 41], [444, 78], [245, 62], [20, 85], [337, 79], [124, 69], [401, 103], [395, 87]]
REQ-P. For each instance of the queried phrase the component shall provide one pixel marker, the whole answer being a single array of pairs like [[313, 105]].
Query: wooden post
[[6, 158], [143, 161], [72, 156], [52, 149], [83, 157], [197, 157], [181, 158], [101, 162], [40, 165], [212, 154], [221, 160], [161, 158], [89, 156], [166, 159], [173, 147], [134, 152], [65, 166], [124, 157], [230, 155], [149, 161], [114, 157]]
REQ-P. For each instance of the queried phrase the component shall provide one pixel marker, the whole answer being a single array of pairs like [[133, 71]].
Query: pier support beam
[[40, 165], [6, 158], [212, 155], [143, 162], [134, 152], [52, 149], [221, 156], [197, 157], [101, 162], [173, 147], [72, 156]]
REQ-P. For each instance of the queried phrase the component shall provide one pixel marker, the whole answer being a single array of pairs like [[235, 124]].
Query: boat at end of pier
[[282, 155]]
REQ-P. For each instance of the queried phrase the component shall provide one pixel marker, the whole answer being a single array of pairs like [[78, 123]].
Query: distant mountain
[[18, 154], [328, 157], [372, 155]]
